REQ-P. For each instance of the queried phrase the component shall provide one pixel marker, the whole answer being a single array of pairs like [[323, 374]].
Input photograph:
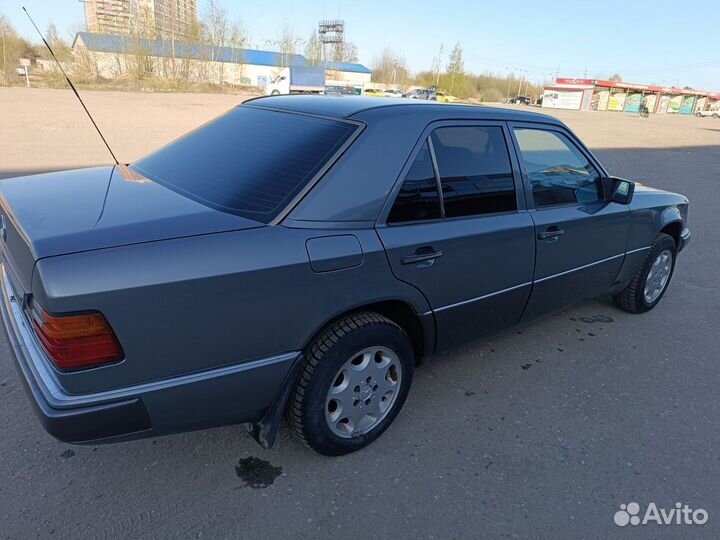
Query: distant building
[[112, 56], [108, 16], [598, 95], [170, 19]]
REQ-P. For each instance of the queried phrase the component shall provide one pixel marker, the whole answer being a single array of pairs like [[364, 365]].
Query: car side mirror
[[621, 190]]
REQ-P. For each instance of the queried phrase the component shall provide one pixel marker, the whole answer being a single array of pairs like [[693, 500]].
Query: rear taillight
[[76, 341]]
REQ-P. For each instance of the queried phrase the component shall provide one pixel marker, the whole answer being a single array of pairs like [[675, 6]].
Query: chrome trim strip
[[436, 170], [33, 364], [483, 297], [450, 306], [583, 267], [636, 250]]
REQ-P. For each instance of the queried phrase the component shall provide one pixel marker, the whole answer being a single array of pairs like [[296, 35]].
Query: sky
[[644, 41]]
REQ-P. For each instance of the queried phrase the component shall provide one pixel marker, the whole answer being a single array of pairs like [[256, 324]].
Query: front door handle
[[421, 255], [551, 232]]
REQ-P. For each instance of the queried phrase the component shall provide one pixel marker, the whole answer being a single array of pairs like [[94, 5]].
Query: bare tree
[[218, 34], [238, 41], [345, 52], [437, 65], [314, 49], [287, 44], [58, 44], [389, 67], [456, 67]]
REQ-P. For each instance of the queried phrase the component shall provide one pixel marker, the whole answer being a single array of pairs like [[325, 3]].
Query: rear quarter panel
[[192, 304]]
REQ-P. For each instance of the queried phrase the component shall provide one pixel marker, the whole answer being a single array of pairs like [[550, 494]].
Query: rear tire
[[648, 286], [356, 378], [275, 93]]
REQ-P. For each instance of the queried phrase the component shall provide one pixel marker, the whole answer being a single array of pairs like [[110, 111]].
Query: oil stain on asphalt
[[257, 473]]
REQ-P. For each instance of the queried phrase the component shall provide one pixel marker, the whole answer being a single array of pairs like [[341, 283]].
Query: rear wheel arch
[[400, 312]]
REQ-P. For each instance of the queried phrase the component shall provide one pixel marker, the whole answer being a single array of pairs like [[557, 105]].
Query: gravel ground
[[542, 431]]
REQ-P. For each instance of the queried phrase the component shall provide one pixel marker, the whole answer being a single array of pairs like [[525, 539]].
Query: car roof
[[349, 106]]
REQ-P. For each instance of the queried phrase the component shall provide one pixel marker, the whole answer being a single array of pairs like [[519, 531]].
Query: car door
[[580, 235], [457, 229]]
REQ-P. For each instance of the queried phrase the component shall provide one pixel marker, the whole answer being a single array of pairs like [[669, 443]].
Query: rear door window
[[475, 171], [250, 162]]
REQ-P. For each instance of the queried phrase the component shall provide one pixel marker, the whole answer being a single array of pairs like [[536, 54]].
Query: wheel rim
[[363, 392], [658, 276]]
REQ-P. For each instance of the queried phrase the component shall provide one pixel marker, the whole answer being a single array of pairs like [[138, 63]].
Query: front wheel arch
[[674, 230]]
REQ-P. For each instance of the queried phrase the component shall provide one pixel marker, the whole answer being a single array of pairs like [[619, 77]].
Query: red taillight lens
[[76, 341]]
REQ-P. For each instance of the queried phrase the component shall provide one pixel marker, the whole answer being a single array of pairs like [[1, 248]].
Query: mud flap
[[265, 430]]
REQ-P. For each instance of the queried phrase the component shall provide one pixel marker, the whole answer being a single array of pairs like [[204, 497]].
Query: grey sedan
[[298, 256]]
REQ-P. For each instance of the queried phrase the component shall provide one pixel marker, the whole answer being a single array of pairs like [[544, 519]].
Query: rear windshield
[[250, 162]]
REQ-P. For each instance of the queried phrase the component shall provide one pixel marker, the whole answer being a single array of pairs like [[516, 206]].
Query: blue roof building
[[160, 48]]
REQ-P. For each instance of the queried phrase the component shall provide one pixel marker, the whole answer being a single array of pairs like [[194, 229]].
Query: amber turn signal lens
[[76, 341]]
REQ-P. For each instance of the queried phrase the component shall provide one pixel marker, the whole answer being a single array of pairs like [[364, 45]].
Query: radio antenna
[[72, 86]]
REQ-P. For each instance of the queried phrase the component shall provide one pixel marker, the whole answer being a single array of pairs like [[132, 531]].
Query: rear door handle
[[422, 255], [551, 232]]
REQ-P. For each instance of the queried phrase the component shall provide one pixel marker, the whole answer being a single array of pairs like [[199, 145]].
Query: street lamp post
[[522, 76], [507, 94]]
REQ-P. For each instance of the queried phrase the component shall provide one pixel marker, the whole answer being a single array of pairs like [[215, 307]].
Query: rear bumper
[[231, 394]]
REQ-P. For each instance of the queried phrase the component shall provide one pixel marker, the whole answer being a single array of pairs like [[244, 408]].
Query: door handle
[[421, 255], [551, 232]]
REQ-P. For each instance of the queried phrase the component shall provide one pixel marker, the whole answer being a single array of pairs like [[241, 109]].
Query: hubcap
[[658, 276], [363, 392]]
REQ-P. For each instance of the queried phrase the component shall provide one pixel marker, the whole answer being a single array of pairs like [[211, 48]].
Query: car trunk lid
[[79, 210]]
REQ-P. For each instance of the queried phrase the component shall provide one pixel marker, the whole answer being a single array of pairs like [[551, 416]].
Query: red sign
[[587, 82]]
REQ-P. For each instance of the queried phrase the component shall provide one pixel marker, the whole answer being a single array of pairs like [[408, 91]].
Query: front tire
[[356, 378], [650, 283]]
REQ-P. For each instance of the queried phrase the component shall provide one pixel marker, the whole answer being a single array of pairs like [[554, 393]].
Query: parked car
[[444, 97], [373, 92], [391, 92], [715, 113], [422, 93], [520, 100], [302, 255], [339, 91]]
